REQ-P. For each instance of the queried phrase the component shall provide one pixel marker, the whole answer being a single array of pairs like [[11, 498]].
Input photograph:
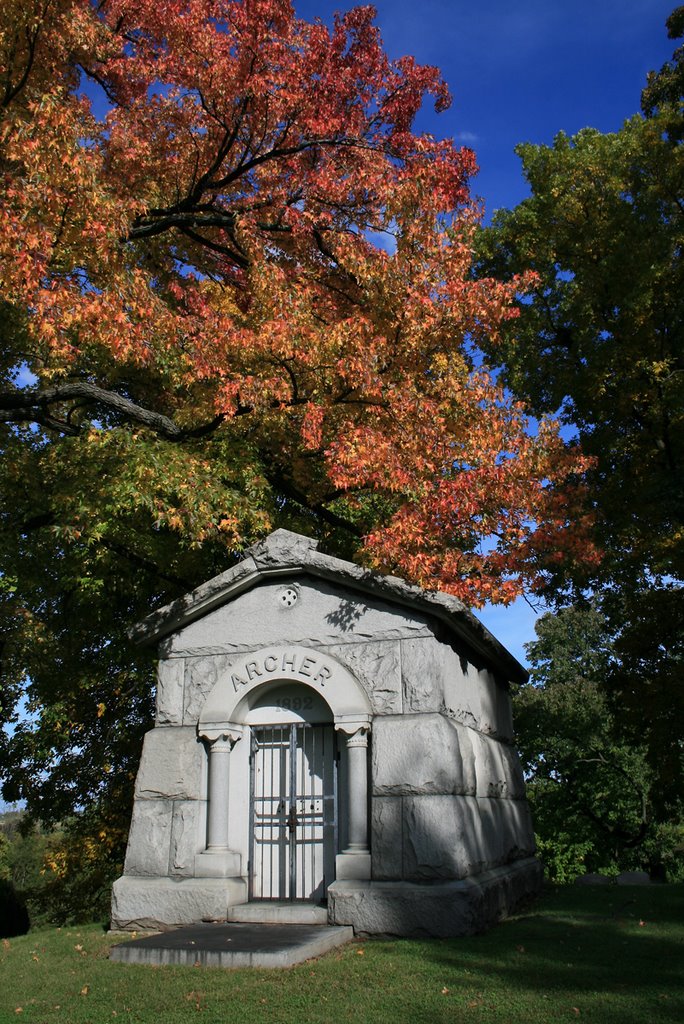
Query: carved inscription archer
[[286, 664]]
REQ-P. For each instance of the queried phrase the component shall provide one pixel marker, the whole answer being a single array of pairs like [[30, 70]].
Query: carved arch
[[245, 680]]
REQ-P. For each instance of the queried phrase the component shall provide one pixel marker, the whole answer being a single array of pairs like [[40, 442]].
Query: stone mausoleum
[[328, 735]]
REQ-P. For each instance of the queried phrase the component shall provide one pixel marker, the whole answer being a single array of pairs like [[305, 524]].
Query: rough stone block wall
[[448, 794], [169, 804]]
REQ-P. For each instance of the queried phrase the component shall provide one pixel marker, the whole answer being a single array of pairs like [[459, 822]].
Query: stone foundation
[[442, 910], [161, 903]]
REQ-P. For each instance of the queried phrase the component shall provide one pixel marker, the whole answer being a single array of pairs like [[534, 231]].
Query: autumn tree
[[236, 294]]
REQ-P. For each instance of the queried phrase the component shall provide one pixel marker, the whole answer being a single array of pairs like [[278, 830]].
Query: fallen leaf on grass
[[85, 990], [575, 1011], [360, 952], [445, 991], [19, 1009]]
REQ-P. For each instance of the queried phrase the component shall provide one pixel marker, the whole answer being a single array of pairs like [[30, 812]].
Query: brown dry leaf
[[360, 952], [445, 991], [473, 1003], [78, 949], [35, 958], [19, 1009], [85, 990]]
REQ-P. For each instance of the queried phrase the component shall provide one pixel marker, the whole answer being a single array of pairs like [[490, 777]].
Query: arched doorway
[[278, 725], [293, 807]]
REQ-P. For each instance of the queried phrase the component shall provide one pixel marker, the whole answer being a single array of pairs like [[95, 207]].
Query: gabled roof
[[284, 553]]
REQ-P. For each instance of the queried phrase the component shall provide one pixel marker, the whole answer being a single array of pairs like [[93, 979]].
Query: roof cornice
[[283, 553]]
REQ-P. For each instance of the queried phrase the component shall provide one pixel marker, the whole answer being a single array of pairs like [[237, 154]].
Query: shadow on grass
[[620, 949]]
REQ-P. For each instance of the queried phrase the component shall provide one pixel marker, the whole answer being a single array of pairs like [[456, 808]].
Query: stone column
[[355, 861], [219, 777], [357, 767], [218, 860]]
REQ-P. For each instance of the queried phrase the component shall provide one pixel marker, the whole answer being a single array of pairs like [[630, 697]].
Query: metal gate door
[[293, 812]]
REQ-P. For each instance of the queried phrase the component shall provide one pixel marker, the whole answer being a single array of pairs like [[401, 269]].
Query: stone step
[[233, 945], [278, 913]]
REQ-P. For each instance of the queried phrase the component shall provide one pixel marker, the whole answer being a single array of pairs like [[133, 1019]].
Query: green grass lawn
[[607, 956]]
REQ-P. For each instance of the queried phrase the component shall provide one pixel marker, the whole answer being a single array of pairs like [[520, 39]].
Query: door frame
[[290, 792]]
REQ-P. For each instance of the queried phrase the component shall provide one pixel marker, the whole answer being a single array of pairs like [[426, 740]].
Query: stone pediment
[[287, 554]]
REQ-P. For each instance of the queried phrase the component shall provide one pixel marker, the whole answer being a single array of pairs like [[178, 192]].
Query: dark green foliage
[[664, 91], [601, 337], [599, 793], [600, 341]]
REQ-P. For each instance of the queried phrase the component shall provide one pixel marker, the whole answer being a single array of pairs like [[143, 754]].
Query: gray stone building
[[327, 734]]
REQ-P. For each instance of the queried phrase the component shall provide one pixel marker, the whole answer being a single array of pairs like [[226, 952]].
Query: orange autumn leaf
[[194, 258]]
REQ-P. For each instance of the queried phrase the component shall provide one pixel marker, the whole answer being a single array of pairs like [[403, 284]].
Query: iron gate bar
[[292, 836]]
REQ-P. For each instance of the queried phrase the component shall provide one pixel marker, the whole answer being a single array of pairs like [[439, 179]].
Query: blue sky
[[521, 71]]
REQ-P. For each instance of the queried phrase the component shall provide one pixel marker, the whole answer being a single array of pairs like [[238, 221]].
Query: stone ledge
[[161, 903], [443, 910]]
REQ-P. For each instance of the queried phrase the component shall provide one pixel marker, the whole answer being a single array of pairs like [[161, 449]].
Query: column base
[[162, 903], [352, 865], [218, 864]]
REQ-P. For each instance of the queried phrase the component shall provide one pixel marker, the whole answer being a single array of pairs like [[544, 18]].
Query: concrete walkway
[[233, 945]]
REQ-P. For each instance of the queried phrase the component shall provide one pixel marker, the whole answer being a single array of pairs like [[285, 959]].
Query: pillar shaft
[[357, 767], [219, 779]]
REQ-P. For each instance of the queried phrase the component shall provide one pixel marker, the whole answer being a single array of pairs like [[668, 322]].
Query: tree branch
[[279, 481], [28, 405]]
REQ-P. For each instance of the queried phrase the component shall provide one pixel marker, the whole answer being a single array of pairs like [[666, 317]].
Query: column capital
[[351, 724], [222, 738], [358, 738]]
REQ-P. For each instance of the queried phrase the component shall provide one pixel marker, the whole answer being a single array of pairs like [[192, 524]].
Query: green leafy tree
[[601, 338], [596, 795], [600, 342]]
